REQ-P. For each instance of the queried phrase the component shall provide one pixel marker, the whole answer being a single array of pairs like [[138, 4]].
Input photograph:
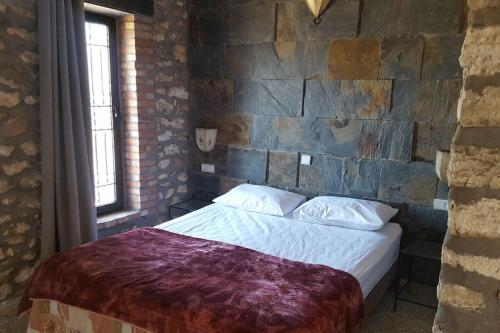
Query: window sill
[[113, 219]]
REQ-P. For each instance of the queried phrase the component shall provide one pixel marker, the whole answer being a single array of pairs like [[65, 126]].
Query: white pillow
[[261, 199], [345, 212]]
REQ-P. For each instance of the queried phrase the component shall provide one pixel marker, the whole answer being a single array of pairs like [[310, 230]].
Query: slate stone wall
[[469, 288], [371, 93], [19, 145]]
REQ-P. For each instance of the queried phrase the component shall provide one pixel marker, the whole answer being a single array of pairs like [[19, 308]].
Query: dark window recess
[[104, 108]]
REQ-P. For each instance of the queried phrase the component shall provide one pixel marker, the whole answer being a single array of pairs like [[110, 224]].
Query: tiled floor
[[408, 318]]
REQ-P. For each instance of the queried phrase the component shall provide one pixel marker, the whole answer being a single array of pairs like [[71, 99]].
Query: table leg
[[396, 286]]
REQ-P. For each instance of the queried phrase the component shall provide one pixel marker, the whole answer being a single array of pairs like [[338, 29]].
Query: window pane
[[101, 99]]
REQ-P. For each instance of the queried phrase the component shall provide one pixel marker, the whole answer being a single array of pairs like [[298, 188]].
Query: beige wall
[[469, 289]]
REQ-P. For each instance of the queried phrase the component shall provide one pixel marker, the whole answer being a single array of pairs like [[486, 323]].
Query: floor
[[409, 318]]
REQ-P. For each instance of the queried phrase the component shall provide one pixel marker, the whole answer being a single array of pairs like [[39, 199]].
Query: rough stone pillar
[[469, 287]]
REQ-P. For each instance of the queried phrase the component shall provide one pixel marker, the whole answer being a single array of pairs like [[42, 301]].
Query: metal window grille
[[101, 55]]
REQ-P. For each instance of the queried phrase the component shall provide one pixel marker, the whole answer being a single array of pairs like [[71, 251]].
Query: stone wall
[[155, 110], [469, 289], [170, 37], [19, 144], [370, 93]]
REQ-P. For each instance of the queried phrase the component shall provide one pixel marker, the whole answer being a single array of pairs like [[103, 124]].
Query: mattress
[[367, 255]]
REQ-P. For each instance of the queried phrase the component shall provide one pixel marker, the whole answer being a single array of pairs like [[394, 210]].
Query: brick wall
[[154, 81], [469, 289], [19, 144], [138, 112], [370, 93]]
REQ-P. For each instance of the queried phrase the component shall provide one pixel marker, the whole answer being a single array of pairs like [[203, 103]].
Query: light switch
[[210, 168], [305, 159], [440, 204]]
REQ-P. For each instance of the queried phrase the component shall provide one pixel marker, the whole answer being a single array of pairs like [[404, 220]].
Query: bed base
[[388, 281]]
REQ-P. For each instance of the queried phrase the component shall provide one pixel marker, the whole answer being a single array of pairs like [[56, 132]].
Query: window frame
[[110, 22]]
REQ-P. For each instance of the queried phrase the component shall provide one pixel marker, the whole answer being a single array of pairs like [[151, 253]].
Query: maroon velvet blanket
[[165, 282]]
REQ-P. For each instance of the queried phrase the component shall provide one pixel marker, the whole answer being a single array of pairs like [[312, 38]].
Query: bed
[[367, 255]]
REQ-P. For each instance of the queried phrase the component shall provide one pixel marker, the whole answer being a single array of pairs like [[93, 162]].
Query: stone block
[[371, 99], [382, 18], [361, 178], [281, 97], [473, 166], [401, 58], [460, 297], [395, 140], [480, 51], [299, 134], [389, 18], [340, 20], [282, 60], [474, 212], [316, 59], [480, 102], [9, 99], [291, 23], [408, 182], [265, 131], [248, 164], [433, 17], [363, 99], [233, 130], [340, 137], [207, 25], [423, 150], [209, 97], [324, 175], [322, 98], [483, 265], [250, 24], [441, 54], [283, 168], [413, 100], [350, 138], [446, 101], [354, 59], [442, 135], [369, 144], [246, 96], [228, 183], [207, 61]]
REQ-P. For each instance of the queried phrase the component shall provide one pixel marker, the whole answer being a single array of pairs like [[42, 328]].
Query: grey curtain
[[68, 210]]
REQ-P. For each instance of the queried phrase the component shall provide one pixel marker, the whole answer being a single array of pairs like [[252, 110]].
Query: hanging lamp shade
[[317, 6]]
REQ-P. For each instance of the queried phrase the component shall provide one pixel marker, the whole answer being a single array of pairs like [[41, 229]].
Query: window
[[103, 86]]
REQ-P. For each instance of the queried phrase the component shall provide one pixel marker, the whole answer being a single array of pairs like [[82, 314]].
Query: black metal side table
[[199, 200], [416, 249]]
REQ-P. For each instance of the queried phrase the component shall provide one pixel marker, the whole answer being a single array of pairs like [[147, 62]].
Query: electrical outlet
[[210, 168], [441, 204], [305, 159]]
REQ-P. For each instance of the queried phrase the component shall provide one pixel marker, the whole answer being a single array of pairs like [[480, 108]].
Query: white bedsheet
[[367, 255]]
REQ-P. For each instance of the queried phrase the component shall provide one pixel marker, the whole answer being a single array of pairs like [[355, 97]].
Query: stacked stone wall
[[20, 175], [469, 288]]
